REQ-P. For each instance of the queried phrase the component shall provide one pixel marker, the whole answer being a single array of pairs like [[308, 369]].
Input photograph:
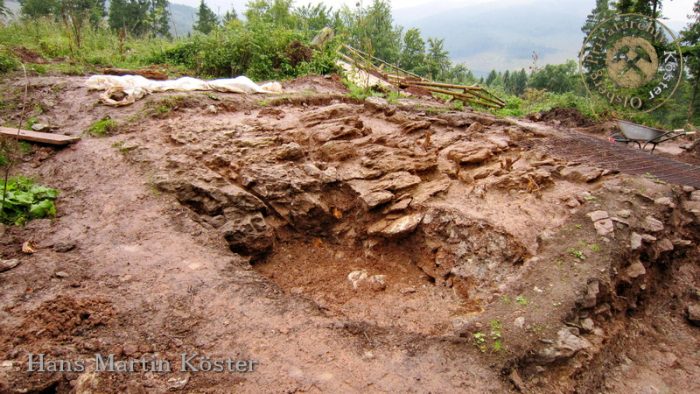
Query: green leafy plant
[[25, 200], [480, 341], [577, 253], [496, 335]]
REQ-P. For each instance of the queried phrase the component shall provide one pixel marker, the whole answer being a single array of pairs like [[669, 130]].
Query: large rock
[[397, 228], [248, 235], [471, 153], [428, 189], [6, 265], [604, 227], [210, 198], [291, 151], [377, 198], [590, 297], [581, 173], [567, 344], [653, 225]]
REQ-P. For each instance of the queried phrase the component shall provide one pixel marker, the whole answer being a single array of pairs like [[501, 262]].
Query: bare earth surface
[[345, 246]]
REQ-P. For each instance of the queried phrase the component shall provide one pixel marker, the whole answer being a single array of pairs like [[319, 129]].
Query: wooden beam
[[35, 136]]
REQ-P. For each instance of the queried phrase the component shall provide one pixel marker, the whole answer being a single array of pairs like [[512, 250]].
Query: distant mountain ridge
[[503, 35]]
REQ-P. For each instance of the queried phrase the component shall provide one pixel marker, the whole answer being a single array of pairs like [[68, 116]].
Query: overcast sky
[[675, 10]]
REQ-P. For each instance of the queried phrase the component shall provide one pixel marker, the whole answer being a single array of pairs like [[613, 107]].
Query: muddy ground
[[343, 246]]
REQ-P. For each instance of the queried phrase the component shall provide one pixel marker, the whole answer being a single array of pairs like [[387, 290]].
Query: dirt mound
[[567, 117], [317, 84], [692, 153], [28, 56]]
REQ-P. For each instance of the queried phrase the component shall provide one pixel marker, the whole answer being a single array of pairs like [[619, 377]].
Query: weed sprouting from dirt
[[521, 300], [103, 127], [577, 253]]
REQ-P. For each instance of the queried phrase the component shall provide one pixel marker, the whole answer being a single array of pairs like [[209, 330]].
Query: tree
[[460, 74], [690, 39], [519, 82], [314, 17], [507, 83], [650, 8], [140, 17], [4, 11], [491, 78], [600, 13], [413, 52], [206, 19], [38, 8], [277, 12], [76, 13], [371, 29], [438, 57], [558, 78], [130, 16], [230, 15], [160, 18]]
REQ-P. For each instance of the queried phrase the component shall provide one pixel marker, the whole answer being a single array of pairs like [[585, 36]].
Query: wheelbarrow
[[638, 134]]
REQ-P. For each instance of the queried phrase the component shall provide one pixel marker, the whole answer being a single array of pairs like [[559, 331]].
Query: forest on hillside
[[273, 41]]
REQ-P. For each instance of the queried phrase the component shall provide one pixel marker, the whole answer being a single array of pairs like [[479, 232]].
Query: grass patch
[[103, 127], [26, 200]]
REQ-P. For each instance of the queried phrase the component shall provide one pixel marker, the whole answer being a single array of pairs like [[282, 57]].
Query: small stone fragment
[[693, 311], [290, 151], [653, 225], [377, 282], [573, 203], [581, 173], [591, 296], [40, 127], [28, 248], [665, 201], [6, 265], [61, 274], [635, 270], [635, 241], [604, 227], [402, 226], [624, 213], [475, 127], [356, 277], [598, 215], [377, 198], [519, 322], [63, 247], [399, 206], [587, 325]]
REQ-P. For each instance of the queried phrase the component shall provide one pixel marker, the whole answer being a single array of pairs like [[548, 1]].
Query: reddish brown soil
[[228, 225]]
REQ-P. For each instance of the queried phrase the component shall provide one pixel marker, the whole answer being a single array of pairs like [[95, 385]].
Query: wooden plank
[[35, 136]]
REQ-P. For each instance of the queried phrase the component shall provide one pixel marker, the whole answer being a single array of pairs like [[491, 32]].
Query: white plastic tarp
[[135, 87]]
